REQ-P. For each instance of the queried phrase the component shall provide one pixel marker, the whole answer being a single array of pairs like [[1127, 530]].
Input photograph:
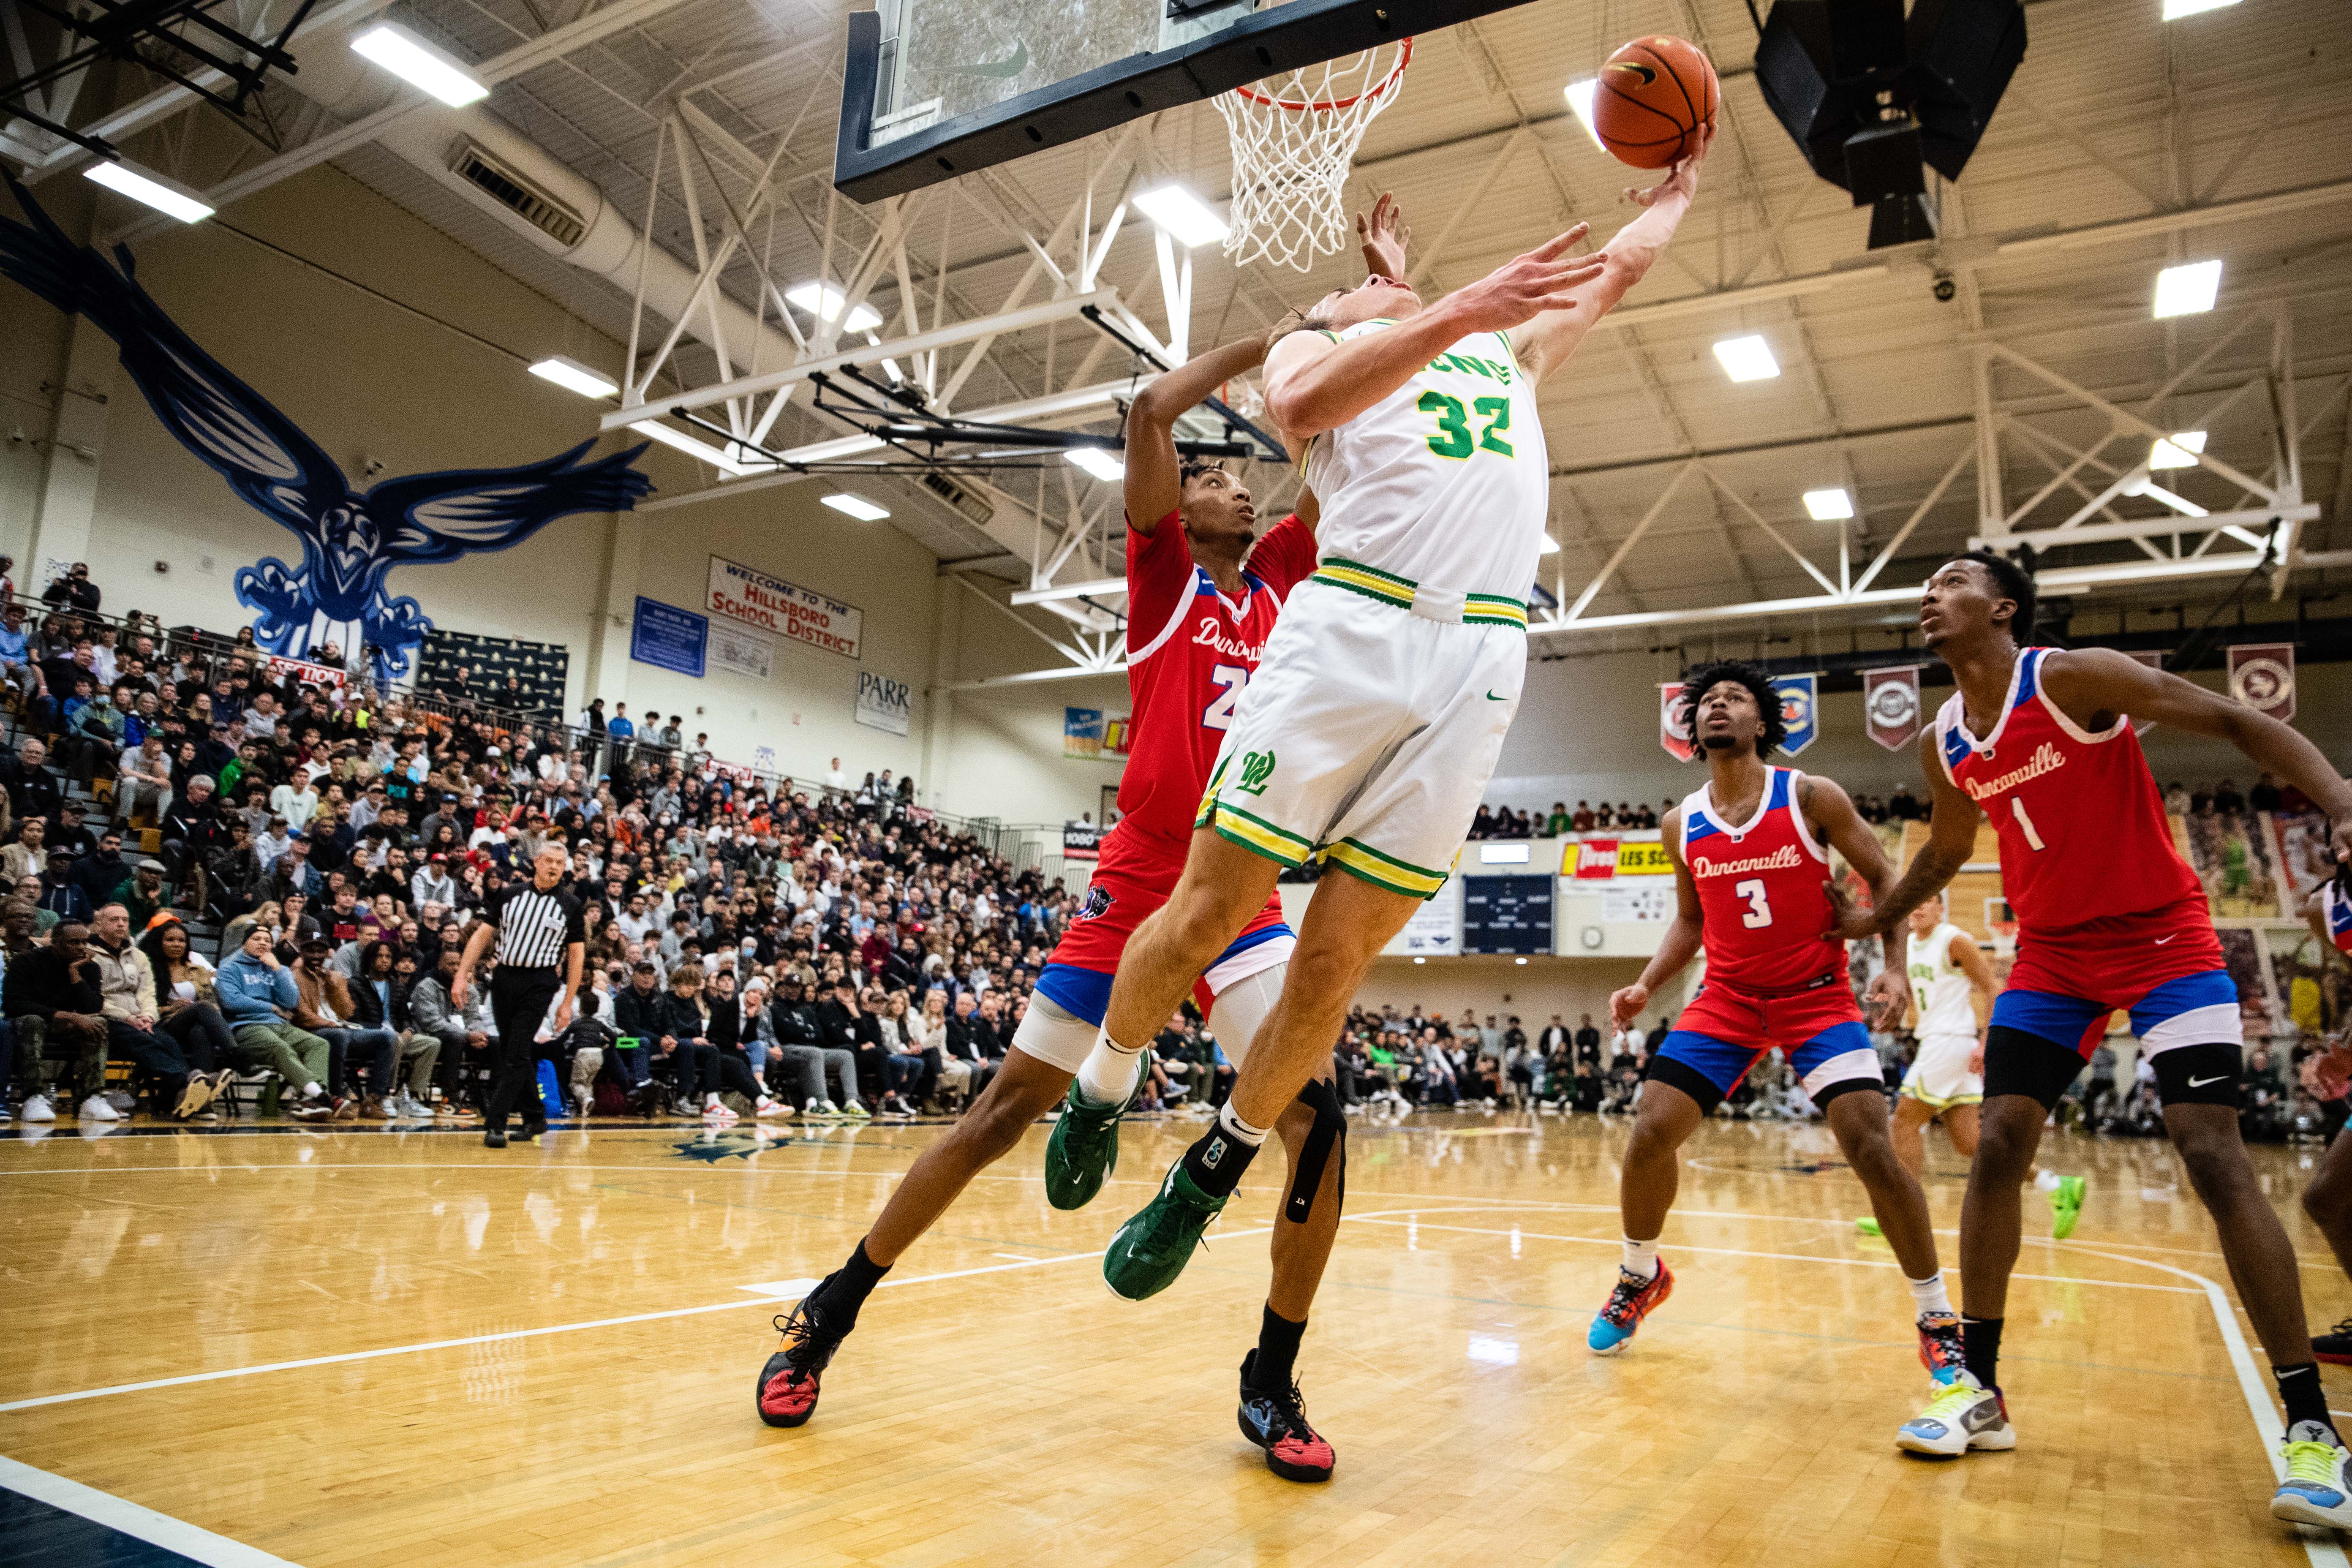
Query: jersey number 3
[[1453, 438], [1758, 912], [1219, 715]]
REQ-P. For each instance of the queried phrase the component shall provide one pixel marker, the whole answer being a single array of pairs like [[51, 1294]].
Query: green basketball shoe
[[1153, 1248], [2066, 1206], [1084, 1149]]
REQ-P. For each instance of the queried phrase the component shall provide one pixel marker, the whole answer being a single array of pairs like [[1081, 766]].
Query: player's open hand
[[2331, 1071], [1681, 180], [1889, 999], [1853, 922], [1545, 278], [1626, 1005], [1383, 235]]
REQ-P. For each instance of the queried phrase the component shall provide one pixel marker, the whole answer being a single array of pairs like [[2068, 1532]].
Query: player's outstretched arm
[[1154, 483], [1830, 811], [1683, 935], [1314, 384], [2094, 685], [1544, 344], [1383, 235], [1951, 839]]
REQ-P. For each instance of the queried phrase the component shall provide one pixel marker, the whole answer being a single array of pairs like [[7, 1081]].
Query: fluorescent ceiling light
[[2176, 9], [1747, 359], [858, 506], [823, 301], [1579, 100], [419, 64], [1550, 546], [573, 376], [1829, 506], [1188, 220], [167, 196], [1097, 462], [2179, 451], [2188, 290], [702, 450]]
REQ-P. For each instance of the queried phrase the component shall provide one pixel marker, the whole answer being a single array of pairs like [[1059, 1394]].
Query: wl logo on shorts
[[1256, 768]]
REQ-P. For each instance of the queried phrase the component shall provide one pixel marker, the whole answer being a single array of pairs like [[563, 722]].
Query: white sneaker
[[2318, 1485], [715, 1111], [1961, 1415], [828, 1108], [36, 1109], [771, 1108], [95, 1109]]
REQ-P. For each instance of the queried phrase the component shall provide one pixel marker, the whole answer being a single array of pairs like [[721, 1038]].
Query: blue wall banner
[[665, 635], [1799, 709]]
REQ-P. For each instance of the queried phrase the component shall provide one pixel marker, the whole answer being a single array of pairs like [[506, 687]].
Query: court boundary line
[[126, 1518]]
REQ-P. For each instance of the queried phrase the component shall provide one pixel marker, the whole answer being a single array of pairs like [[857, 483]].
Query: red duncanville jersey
[[2336, 913], [2083, 831], [1763, 893], [1190, 651]]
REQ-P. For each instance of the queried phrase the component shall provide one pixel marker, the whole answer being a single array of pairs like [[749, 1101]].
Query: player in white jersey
[[1949, 971], [1367, 736]]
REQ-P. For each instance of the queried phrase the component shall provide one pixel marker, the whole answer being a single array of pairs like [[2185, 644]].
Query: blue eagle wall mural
[[351, 539]]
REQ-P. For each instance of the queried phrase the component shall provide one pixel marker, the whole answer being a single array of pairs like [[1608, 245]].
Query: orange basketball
[[1654, 96]]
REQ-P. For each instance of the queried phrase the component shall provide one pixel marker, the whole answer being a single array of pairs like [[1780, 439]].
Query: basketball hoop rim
[[1333, 105]]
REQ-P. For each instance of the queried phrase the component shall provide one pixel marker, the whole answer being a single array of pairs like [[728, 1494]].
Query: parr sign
[[773, 604]]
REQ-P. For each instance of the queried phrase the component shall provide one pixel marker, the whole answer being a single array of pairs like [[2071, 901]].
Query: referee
[[538, 926]]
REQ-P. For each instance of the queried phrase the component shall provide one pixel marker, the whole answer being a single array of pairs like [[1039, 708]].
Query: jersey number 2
[[1759, 913], [1219, 714], [1453, 438]]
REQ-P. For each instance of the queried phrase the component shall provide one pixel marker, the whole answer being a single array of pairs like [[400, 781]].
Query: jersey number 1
[[2025, 823], [1219, 714]]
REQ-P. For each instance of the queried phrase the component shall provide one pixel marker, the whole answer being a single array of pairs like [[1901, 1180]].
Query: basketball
[[1653, 95]]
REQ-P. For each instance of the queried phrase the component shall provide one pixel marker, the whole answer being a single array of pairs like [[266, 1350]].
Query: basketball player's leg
[[1685, 1082], [2328, 1202], [1909, 1133], [1223, 886]]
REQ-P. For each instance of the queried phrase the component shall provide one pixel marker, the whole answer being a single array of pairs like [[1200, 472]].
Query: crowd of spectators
[[754, 945], [1502, 822]]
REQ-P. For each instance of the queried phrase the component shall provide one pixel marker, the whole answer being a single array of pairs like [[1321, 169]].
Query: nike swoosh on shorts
[[2201, 1082]]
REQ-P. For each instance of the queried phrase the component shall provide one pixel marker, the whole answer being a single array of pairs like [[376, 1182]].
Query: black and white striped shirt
[[534, 928]]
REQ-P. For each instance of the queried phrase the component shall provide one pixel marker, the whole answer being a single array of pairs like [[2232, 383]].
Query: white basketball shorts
[[1939, 1075]]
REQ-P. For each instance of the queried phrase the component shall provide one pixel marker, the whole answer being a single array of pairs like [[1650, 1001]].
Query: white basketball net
[[1294, 140]]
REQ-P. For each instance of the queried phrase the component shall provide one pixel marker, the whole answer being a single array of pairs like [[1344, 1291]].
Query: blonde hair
[[686, 974]]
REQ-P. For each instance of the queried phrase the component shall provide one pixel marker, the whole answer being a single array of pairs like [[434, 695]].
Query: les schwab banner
[[787, 609], [1594, 859]]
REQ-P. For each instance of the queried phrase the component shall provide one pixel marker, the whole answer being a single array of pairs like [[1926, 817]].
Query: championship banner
[[743, 593], [1596, 858], [1800, 710], [1674, 721], [2154, 661], [1890, 703], [1090, 734], [2262, 676], [1082, 840]]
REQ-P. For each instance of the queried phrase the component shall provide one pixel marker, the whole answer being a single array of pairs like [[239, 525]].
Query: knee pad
[[1242, 1007], [1329, 1132], [1054, 1035]]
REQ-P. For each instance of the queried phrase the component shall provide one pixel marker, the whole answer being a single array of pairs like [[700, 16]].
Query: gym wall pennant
[[2262, 676], [1890, 704]]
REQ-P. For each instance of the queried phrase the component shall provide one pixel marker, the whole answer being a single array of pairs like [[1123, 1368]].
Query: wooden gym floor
[[364, 1347]]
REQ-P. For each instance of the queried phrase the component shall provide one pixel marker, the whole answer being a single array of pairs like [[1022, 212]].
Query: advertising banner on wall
[[742, 652], [787, 609], [1616, 859], [1434, 927], [668, 637], [2262, 676], [1094, 735], [1083, 841], [884, 703], [1890, 704]]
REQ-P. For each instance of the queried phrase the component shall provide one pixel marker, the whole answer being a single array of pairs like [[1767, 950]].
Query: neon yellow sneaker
[[2066, 1206], [2317, 1488], [1868, 1227]]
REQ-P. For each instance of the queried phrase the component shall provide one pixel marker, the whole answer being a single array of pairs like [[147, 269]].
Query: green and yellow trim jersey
[[1445, 482]]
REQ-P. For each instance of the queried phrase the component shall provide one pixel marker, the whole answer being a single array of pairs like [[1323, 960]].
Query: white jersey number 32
[[1219, 712]]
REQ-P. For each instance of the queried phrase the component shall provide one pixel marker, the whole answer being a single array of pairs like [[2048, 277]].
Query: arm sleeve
[[1159, 577]]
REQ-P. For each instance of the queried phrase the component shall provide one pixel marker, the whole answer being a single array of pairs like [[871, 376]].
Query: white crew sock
[[1108, 1074], [1230, 1121], [1930, 1293], [2046, 1181], [1641, 1257], [708, 1100]]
